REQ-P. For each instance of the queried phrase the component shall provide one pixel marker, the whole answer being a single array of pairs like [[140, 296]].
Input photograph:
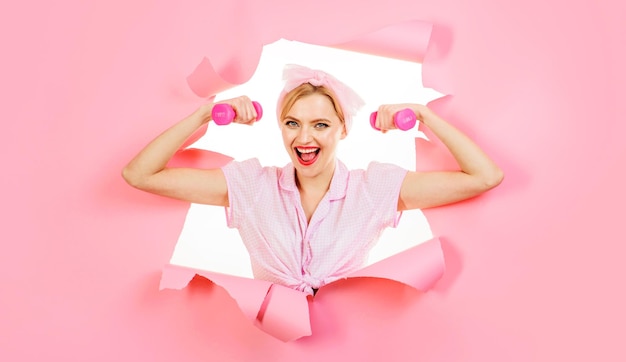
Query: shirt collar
[[338, 184]]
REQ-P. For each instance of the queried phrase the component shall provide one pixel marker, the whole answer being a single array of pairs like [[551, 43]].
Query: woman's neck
[[315, 185]]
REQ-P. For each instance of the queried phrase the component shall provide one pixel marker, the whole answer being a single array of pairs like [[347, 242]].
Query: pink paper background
[[535, 268]]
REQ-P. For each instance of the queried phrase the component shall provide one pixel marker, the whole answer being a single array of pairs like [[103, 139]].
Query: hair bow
[[348, 99]]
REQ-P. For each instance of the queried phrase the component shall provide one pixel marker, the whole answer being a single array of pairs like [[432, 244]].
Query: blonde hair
[[307, 89]]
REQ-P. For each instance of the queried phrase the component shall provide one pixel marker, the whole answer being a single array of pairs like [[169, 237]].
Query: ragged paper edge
[[405, 41], [284, 313]]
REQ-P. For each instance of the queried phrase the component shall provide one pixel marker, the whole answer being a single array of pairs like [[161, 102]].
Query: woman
[[312, 221]]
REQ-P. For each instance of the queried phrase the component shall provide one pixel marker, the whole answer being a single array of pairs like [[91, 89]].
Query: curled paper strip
[[278, 310], [284, 313], [392, 42], [419, 267]]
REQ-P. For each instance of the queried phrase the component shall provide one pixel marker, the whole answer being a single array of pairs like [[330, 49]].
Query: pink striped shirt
[[266, 209]]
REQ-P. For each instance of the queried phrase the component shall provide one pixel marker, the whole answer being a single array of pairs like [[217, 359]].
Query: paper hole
[[206, 243]]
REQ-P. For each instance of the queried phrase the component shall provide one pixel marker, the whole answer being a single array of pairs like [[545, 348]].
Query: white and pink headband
[[295, 75]]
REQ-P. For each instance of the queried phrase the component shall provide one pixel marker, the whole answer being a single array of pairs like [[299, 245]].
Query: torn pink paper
[[205, 81], [280, 311], [392, 41], [284, 313], [248, 293], [389, 41], [420, 266]]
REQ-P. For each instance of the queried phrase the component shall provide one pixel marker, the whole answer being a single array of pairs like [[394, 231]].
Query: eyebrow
[[312, 121]]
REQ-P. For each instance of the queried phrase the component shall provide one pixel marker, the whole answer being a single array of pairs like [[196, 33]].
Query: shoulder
[[250, 166], [250, 172], [378, 172], [376, 189], [381, 167], [378, 181], [377, 178]]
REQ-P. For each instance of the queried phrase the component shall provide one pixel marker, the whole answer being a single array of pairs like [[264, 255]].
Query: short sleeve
[[244, 180], [383, 182]]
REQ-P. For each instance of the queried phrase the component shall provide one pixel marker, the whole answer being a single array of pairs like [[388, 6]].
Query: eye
[[291, 124], [321, 125]]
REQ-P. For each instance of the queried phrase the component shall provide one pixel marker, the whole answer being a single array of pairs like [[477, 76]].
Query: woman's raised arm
[[148, 170], [422, 190]]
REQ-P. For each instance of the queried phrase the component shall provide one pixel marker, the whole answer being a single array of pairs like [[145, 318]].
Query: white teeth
[[307, 150]]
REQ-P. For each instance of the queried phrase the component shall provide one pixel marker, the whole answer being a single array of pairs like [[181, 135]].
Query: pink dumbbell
[[404, 119], [223, 113]]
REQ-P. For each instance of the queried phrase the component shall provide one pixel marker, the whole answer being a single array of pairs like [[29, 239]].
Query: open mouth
[[307, 155]]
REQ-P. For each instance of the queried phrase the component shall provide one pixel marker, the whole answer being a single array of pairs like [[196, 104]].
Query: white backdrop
[[206, 243]]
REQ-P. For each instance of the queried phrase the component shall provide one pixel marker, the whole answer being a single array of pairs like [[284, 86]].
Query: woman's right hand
[[245, 113]]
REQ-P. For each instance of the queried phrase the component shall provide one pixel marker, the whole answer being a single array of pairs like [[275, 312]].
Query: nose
[[304, 135]]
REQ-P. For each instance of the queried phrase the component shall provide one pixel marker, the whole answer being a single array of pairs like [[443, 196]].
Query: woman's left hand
[[384, 118]]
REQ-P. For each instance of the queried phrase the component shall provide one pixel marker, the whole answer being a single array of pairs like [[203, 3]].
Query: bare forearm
[[154, 157]]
